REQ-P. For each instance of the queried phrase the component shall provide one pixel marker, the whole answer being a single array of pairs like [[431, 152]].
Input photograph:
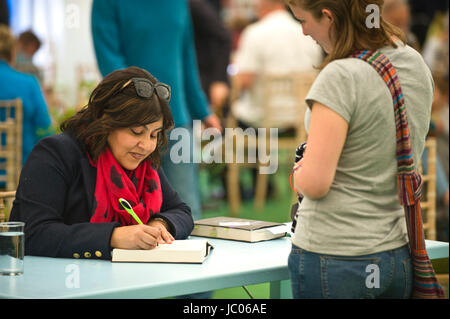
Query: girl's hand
[[212, 121], [296, 167]]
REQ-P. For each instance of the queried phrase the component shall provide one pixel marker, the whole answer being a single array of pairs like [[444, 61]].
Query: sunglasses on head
[[145, 88]]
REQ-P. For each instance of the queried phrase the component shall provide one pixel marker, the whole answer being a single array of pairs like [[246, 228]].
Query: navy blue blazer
[[55, 199]]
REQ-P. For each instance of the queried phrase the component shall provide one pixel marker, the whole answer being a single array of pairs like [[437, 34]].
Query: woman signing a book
[[98, 185], [351, 236]]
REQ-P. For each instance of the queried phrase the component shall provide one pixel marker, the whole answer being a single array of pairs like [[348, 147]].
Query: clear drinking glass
[[12, 241]]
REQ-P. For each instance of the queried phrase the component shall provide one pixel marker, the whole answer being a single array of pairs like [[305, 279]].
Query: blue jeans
[[183, 177], [382, 275]]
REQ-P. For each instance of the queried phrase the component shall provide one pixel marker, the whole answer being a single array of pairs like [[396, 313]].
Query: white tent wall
[[66, 55]]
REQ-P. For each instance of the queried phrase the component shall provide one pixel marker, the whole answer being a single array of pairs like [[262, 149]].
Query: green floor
[[277, 209]]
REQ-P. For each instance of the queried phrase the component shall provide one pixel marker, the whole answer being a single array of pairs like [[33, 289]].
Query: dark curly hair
[[112, 106]]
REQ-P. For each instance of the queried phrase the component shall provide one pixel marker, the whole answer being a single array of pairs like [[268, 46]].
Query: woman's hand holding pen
[[140, 236], [137, 237], [166, 236]]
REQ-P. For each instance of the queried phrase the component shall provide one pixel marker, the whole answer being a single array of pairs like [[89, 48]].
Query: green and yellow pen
[[129, 210]]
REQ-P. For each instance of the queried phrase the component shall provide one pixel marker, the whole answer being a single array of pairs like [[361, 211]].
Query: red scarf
[[141, 188]]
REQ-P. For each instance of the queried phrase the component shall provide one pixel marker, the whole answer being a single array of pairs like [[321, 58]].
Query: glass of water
[[11, 248]]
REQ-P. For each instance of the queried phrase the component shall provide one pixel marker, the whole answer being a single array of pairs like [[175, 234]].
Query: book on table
[[239, 229], [179, 251]]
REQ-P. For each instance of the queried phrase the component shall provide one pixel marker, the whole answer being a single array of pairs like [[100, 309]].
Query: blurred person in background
[[4, 13], [14, 84], [398, 13], [440, 116], [439, 128], [436, 48], [213, 48], [272, 45], [216, 4], [27, 46], [422, 14], [436, 55]]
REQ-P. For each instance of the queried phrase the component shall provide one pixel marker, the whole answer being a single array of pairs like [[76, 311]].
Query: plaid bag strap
[[409, 182]]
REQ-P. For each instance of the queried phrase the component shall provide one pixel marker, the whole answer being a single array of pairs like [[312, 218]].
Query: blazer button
[[98, 253], [87, 255], [76, 255]]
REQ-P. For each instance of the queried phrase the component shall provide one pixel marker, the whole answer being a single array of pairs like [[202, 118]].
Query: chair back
[[428, 201], [11, 117], [284, 101], [6, 200]]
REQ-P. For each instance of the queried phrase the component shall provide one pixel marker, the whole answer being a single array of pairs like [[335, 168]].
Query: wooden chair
[[11, 142], [428, 205], [282, 95], [428, 202], [6, 199]]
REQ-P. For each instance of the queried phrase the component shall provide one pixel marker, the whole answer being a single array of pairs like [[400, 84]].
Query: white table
[[230, 264]]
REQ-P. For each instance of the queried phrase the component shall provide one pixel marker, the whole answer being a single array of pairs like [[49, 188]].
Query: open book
[[179, 251], [238, 229]]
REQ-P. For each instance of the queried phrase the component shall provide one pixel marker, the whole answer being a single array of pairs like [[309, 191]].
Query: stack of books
[[239, 229]]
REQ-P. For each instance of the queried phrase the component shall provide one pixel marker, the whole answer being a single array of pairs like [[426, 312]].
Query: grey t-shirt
[[361, 213]]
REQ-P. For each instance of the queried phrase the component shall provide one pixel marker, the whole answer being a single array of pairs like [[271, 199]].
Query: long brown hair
[[349, 31], [112, 106]]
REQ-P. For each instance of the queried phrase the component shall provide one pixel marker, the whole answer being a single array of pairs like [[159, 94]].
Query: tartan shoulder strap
[[409, 182]]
